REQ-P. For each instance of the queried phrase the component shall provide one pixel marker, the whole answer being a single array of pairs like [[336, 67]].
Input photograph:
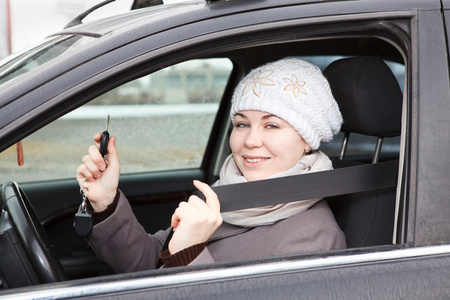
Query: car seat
[[370, 100]]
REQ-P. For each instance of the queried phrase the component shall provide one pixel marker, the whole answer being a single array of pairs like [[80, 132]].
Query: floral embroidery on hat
[[256, 82], [295, 86]]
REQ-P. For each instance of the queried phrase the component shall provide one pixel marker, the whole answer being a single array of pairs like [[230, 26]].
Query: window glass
[[161, 121], [15, 66]]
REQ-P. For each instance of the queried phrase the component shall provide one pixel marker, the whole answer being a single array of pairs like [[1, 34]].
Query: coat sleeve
[[123, 243]]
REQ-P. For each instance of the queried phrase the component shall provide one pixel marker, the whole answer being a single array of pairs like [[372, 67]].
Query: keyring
[[84, 182], [83, 187]]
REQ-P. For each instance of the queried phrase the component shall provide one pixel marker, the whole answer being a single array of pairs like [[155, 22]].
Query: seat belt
[[348, 180], [322, 184]]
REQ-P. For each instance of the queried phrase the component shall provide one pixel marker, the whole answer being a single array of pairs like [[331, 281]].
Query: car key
[[83, 221], [105, 140]]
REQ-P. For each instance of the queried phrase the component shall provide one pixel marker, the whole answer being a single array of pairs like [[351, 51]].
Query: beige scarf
[[251, 217]]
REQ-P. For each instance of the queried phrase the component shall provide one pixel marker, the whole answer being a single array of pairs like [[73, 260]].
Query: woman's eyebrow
[[263, 117], [268, 116], [241, 115]]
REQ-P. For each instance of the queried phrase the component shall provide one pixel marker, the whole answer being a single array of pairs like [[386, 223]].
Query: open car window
[[163, 122]]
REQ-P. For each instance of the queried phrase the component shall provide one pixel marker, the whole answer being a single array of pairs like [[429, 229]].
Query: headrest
[[368, 94]]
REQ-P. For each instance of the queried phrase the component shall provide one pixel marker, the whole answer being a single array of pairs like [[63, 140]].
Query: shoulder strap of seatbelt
[[323, 184]]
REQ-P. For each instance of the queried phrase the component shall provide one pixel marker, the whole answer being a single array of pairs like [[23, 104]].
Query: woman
[[281, 112]]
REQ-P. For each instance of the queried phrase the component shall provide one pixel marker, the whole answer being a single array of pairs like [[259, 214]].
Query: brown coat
[[123, 243]]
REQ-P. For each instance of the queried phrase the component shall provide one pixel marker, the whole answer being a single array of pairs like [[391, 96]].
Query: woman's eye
[[241, 125], [272, 126]]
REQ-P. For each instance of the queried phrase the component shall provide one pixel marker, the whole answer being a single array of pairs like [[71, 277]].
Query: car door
[[123, 82]]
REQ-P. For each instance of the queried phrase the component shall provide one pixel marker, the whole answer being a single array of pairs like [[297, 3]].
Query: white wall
[[33, 20], [4, 30]]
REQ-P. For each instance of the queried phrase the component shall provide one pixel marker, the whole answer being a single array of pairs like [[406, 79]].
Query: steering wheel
[[18, 211]]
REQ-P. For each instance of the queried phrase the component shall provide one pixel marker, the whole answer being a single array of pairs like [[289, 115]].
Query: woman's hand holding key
[[99, 176]]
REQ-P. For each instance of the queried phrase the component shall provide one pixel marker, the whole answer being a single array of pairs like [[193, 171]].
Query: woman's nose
[[253, 138]]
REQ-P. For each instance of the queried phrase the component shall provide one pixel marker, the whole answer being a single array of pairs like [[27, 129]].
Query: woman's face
[[263, 144]]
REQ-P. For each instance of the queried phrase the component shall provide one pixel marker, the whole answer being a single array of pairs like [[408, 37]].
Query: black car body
[[82, 63]]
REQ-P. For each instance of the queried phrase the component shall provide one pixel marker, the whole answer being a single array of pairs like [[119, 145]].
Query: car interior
[[366, 75]]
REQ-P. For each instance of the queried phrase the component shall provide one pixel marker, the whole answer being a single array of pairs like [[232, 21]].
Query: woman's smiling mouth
[[254, 160]]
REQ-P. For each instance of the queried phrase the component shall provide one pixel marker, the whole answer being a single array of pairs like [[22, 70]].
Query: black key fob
[[105, 140], [104, 143], [83, 223]]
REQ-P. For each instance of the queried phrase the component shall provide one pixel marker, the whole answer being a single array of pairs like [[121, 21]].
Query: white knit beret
[[295, 91]]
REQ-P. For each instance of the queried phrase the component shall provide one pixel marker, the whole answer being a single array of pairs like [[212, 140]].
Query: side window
[[162, 122]]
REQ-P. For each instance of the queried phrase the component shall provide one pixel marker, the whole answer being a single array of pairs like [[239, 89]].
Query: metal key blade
[[107, 122]]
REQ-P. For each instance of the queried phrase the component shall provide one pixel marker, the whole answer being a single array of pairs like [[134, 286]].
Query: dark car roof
[[195, 10]]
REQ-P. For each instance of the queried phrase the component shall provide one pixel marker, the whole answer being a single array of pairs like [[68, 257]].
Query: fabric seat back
[[370, 100]]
